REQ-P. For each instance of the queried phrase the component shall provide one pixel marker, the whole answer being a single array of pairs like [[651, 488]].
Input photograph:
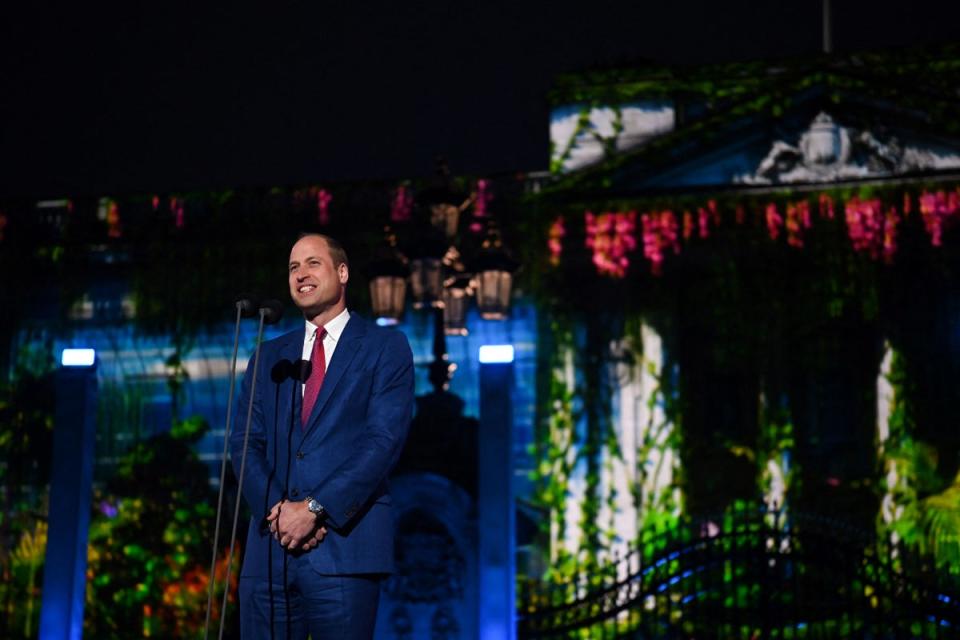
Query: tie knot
[[320, 334]]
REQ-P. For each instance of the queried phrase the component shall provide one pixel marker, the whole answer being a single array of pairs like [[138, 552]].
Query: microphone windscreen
[[272, 311], [284, 370], [301, 370], [247, 305]]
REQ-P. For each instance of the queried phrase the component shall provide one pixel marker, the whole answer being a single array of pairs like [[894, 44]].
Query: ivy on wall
[[919, 509], [658, 502], [579, 448]]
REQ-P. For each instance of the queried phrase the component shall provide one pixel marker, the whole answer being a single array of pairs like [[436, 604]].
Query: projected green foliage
[[26, 422], [148, 562]]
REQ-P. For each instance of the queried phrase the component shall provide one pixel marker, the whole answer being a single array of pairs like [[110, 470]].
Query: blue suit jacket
[[341, 457]]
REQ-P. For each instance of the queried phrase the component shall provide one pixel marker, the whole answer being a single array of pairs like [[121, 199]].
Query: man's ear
[[343, 272]]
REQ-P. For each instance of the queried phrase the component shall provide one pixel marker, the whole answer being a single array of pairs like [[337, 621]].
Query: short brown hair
[[337, 252]]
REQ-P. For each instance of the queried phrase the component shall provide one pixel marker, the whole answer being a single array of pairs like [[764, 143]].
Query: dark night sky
[[151, 97]]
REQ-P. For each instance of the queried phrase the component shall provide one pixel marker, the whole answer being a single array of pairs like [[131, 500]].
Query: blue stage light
[[496, 353], [78, 357], [387, 322]]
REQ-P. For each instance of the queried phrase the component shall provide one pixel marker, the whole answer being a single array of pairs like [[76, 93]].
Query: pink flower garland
[[555, 241], [317, 197], [660, 231], [323, 206], [114, 228], [826, 206], [937, 209], [176, 208], [865, 225], [401, 205], [872, 229], [611, 237], [774, 221], [706, 217], [890, 234], [482, 199], [798, 219]]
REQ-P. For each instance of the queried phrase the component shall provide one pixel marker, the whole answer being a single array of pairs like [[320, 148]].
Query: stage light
[[78, 357], [496, 353]]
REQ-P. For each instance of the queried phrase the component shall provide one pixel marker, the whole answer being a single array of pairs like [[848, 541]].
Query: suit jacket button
[[299, 455], [294, 493]]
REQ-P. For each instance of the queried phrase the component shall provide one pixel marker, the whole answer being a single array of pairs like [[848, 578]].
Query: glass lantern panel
[[493, 294], [386, 296], [426, 282], [455, 302]]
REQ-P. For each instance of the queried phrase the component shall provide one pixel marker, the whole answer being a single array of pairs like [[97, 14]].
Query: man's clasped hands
[[295, 526]]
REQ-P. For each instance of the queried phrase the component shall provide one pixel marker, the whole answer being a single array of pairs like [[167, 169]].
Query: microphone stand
[[246, 308], [270, 312]]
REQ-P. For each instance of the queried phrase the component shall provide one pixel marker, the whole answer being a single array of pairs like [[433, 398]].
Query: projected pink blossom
[[401, 205], [176, 208], [611, 237], [865, 225], [555, 240], [890, 234], [660, 232], [798, 219], [323, 206], [826, 206], [937, 209], [687, 225], [481, 201], [774, 221], [703, 222], [114, 230]]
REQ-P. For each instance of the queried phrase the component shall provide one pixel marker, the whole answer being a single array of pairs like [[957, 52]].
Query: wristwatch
[[315, 507]]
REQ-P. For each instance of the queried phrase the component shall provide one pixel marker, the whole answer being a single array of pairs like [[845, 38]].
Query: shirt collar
[[334, 327]]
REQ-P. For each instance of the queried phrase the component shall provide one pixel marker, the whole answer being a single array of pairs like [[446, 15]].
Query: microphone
[[247, 305], [286, 370], [272, 311]]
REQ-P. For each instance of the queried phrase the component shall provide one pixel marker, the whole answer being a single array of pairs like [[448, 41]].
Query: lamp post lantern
[[435, 262], [388, 273], [494, 270]]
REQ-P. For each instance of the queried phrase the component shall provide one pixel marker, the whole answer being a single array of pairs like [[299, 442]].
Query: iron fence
[[754, 574]]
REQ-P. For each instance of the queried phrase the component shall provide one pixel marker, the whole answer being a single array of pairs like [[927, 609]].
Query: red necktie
[[318, 368]]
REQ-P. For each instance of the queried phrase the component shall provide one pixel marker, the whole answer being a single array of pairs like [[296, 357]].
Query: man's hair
[[337, 252]]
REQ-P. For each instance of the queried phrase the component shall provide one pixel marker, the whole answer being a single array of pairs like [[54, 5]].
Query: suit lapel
[[292, 351], [348, 346]]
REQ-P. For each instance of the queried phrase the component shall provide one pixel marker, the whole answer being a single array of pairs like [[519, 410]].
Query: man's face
[[316, 283]]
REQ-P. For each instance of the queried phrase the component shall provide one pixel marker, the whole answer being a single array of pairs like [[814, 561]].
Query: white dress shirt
[[334, 331]]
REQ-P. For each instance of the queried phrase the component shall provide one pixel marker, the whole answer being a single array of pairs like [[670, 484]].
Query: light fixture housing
[[388, 273], [493, 268], [78, 357]]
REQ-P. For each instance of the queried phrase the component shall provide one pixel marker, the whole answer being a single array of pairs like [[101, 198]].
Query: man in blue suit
[[322, 441]]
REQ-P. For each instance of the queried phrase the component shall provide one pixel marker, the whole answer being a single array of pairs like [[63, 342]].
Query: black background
[[153, 97]]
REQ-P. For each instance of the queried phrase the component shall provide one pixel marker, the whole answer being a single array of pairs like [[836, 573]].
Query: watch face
[[314, 506]]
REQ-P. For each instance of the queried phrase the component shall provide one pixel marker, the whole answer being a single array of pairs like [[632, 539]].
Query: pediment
[[815, 127]]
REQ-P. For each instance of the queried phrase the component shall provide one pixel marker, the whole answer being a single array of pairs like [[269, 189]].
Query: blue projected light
[[496, 353], [78, 357], [387, 322]]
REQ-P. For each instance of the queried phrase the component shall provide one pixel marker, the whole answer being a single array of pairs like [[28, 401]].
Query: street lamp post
[[441, 273]]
